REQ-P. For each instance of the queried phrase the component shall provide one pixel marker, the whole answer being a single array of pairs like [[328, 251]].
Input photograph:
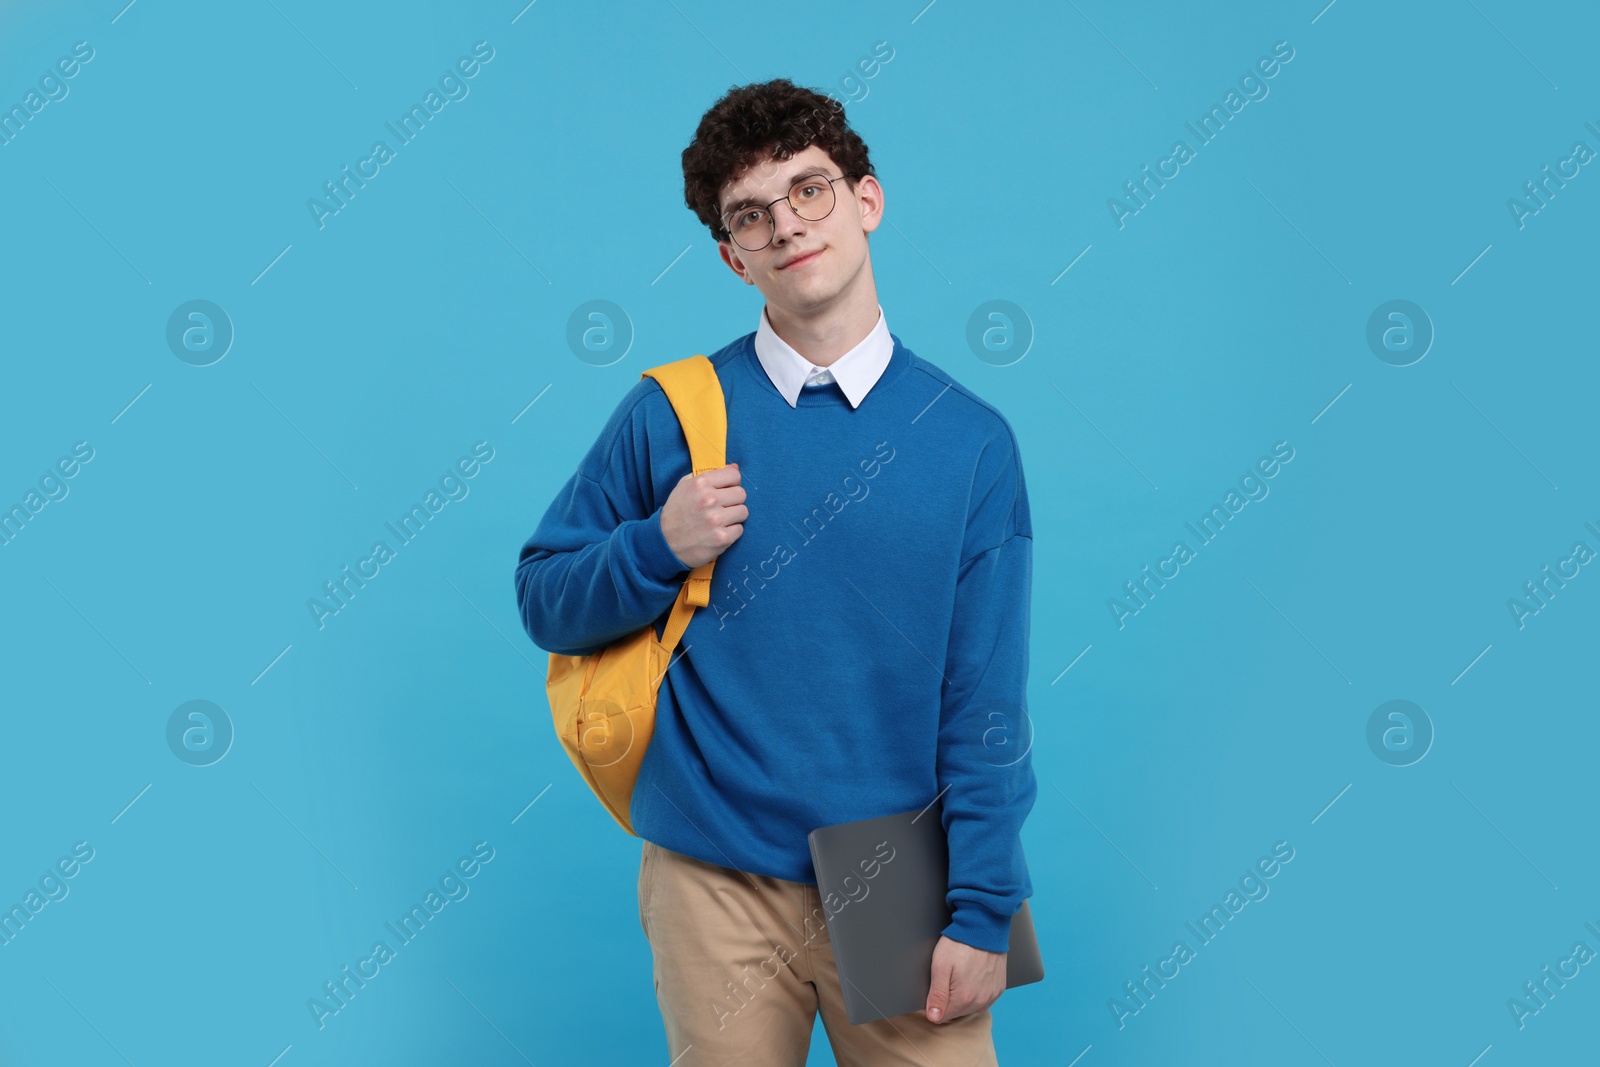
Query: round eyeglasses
[[811, 198]]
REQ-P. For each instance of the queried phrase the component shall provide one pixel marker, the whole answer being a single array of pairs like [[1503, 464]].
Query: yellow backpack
[[604, 704]]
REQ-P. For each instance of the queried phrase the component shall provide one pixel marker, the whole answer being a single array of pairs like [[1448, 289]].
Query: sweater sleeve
[[985, 766], [598, 567]]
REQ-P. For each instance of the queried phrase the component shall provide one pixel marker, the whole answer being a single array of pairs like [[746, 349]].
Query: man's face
[[808, 264]]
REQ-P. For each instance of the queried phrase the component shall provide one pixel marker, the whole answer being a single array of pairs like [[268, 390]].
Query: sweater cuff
[[975, 925], [648, 546]]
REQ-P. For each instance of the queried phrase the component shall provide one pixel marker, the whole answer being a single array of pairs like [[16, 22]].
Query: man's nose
[[785, 222]]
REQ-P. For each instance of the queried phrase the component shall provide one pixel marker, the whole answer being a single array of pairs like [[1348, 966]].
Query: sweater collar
[[856, 371]]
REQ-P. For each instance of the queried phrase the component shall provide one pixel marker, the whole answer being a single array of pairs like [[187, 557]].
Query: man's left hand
[[965, 980]]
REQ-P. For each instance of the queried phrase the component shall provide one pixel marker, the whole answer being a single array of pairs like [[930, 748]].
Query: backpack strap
[[695, 392]]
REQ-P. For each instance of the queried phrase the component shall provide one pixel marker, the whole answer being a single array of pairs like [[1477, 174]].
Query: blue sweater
[[866, 644]]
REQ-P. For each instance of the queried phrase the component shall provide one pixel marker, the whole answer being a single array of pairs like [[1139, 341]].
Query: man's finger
[[722, 477], [939, 990]]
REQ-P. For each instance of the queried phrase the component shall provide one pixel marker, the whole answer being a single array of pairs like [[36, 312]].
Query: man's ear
[[870, 193], [735, 264]]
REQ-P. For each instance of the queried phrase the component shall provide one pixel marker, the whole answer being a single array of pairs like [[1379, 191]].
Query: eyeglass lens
[[811, 198]]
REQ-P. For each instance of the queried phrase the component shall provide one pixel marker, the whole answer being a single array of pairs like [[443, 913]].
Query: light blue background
[[431, 312]]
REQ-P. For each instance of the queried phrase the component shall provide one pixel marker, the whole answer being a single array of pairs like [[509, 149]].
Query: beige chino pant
[[742, 963]]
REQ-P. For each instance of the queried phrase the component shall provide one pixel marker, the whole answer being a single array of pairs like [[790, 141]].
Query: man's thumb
[[939, 994]]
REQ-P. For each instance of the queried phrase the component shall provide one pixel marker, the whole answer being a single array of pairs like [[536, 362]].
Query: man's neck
[[825, 337]]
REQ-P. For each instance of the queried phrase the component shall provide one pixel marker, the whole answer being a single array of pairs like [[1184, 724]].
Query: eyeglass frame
[[773, 218]]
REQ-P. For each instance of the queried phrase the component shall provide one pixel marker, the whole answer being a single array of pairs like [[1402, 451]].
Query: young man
[[865, 649]]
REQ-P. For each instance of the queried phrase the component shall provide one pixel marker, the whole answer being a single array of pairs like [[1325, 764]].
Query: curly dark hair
[[750, 121]]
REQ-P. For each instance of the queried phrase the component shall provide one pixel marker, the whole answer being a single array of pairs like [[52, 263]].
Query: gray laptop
[[888, 878]]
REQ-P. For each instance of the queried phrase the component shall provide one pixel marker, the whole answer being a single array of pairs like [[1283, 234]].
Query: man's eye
[[750, 218]]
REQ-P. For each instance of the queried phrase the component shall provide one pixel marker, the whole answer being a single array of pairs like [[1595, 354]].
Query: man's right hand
[[704, 515]]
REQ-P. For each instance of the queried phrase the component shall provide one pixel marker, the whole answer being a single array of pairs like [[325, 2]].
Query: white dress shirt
[[856, 371]]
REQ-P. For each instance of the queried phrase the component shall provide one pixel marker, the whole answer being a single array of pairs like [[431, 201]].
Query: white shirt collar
[[857, 371]]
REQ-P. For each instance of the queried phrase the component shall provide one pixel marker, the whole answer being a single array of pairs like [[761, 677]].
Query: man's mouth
[[802, 260]]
